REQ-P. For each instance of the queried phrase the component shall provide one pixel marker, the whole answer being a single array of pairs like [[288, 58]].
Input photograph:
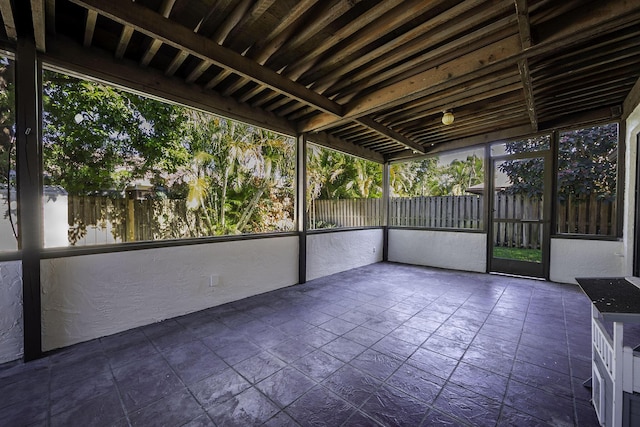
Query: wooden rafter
[[621, 14], [465, 67], [391, 66], [388, 132], [631, 100], [174, 34], [154, 46], [123, 43], [524, 29], [334, 10], [67, 55], [50, 11], [220, 35], [302, 64], [324, 76], [39, 26], [7, 18], [89, 27], [339, 144], [263, 49]]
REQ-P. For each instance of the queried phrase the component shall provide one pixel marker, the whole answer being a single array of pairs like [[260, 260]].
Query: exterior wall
[[11, 327], [632, 130], [86, 297], [436, 248], [571, 258], [333, 252]]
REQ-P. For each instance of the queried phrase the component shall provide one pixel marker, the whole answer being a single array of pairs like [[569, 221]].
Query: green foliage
[[7, 119], [334, 175], [230, 177], [428, 177], [587, 161], [98, 138]]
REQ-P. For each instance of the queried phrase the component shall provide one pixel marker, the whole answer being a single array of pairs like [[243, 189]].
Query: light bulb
[[447, 118]]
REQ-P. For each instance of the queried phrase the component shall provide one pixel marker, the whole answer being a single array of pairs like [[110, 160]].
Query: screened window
[[8, 196], [343, 190], [587, 180], [444, 191], [121, 167]]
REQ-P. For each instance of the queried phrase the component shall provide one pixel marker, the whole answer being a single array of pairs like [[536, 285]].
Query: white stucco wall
[[439, 248], [632, 130], [86, 297], [571, 258], [329, 253], [11, 327]]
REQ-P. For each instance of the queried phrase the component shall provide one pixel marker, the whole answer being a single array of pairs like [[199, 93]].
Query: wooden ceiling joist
[[38, 16], [329, 141], [154, 46], [373, 77], [68, 55], [123, 43], [6, 10], [90, 27], [524, 28], [465, 68], [169, 32]]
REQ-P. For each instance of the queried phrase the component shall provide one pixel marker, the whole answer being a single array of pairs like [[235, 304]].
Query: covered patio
[[384, 344], [247, 212]]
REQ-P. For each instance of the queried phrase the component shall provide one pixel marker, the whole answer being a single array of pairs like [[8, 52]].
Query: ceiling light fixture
[[447, 117]]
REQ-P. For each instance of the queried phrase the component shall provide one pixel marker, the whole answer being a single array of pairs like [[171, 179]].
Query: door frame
[[515, 267]]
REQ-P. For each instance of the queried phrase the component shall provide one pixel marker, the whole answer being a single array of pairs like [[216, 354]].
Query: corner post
[[301, 206], [28, 167], [386, 191]]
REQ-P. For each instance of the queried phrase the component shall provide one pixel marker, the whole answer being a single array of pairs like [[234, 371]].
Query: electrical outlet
[[214, 280], [374, 249]]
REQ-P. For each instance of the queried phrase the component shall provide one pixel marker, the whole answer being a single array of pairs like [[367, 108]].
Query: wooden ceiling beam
[[257, 10], [67, 55], [483, 138], [50, 12], [388, 23], [598, 16], [123, 42], [310, 58], [524, 28], [334, 10], [39, 23], [391, 68], [154, 25], [419, 119], [456, 98], [341, 145], [154, 46], [89, 27], [388, 132], [6, 10], [234, 18], [632, 100], [484, 61], [625, 13]]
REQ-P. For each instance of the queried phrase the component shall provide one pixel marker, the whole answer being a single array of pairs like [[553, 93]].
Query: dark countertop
[[617, 299]]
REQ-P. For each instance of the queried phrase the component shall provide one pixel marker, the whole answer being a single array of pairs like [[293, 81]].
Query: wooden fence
[[436, 212], [517, 234], [588, 215], [345, 213], [101, 220]]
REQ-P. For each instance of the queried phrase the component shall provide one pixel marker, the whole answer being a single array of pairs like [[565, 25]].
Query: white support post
[[618, 366]]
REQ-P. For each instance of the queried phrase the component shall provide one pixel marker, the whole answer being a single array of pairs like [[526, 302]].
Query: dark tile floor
[[385, 344]]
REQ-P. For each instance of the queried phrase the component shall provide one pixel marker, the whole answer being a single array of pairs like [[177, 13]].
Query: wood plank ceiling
[[369, 77]]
